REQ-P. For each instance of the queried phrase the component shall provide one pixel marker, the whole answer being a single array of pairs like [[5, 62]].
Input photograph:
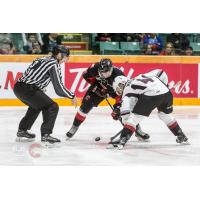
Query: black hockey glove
[[116, 111]]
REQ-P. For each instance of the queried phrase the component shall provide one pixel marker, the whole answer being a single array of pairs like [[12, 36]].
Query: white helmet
[[119, 83]]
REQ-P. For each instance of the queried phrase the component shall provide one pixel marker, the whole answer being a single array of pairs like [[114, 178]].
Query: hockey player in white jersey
[[159, 73], [140, 96]]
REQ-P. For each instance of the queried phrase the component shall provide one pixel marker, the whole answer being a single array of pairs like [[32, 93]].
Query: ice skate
[[25, 136], [71, 132], [49, 140], [140, 135], [122, 143], [113, 144], [118, 143], [181, 138]]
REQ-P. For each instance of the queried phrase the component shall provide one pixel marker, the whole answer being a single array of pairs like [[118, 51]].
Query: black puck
[[97, 139]]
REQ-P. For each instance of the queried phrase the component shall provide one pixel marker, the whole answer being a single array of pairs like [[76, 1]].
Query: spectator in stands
[[133, 37], [6, 44], [179, 40], [5, 37], [36, 48], [103, 37], [50, 40], [7, 48], [154, 41], [169, 50], [29, 41], [129, 37], [148, 50], [189, 51]]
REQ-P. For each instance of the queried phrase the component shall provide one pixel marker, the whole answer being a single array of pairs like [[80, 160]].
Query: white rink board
[[83, 150]]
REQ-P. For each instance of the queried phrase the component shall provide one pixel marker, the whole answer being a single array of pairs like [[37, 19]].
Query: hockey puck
[[97, 139]]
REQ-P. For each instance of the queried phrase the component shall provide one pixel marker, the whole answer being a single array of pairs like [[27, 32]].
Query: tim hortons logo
[[83, 84], [178, 87]]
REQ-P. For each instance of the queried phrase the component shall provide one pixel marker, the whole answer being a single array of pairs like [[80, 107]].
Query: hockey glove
[[116, 112]]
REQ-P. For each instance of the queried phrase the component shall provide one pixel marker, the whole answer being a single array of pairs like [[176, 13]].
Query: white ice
[[83, 150]]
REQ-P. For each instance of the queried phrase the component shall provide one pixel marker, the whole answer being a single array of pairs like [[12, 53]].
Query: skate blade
[[22, 139], [50, 145], [143, 140], [68, 138], [120, 147], [111, 146], [117, 147], [185, 143]]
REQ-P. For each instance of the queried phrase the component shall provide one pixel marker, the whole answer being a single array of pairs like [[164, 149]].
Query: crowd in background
[[151, 43], [33, 43]]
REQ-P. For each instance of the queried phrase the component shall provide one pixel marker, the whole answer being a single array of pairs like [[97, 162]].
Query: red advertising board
[[184, 74]]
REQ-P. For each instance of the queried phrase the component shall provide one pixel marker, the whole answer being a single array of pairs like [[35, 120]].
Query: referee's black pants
[[37, 101]]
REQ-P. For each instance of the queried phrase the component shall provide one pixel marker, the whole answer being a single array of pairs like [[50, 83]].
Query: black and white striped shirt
[[42, 71]]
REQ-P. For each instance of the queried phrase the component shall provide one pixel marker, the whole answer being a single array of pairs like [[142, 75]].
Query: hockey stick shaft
[[113, 110], [113, 137], [110, 104]]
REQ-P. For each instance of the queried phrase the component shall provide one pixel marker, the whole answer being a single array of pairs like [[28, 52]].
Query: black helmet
[[105, 65], [60, 49]]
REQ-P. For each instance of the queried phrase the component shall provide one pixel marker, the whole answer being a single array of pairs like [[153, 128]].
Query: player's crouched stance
[[140, 96]]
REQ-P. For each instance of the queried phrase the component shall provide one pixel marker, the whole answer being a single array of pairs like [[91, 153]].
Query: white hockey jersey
[[158, 73], [143, 84]]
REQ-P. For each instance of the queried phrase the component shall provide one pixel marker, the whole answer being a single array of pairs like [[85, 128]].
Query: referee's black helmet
[[60, 49]]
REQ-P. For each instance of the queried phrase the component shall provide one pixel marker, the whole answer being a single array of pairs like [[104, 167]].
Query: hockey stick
[[113, 137], [113, 110]]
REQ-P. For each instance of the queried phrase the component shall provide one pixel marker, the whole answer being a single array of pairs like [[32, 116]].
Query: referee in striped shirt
[[30, 90]]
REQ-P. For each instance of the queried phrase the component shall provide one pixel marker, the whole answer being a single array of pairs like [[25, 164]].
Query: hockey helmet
[[119, 83], [61, 49], [105, 68]]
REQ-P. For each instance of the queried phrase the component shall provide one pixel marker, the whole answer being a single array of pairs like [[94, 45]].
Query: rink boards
[[183, 74]]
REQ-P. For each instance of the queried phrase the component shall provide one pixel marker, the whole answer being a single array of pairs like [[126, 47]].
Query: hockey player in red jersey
[[140, 96]]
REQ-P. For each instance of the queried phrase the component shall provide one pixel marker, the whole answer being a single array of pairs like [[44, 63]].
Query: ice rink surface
[[82, 150]]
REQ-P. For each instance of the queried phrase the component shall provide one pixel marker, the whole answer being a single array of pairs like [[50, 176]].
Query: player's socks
[[78, 120], [177, 131]]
